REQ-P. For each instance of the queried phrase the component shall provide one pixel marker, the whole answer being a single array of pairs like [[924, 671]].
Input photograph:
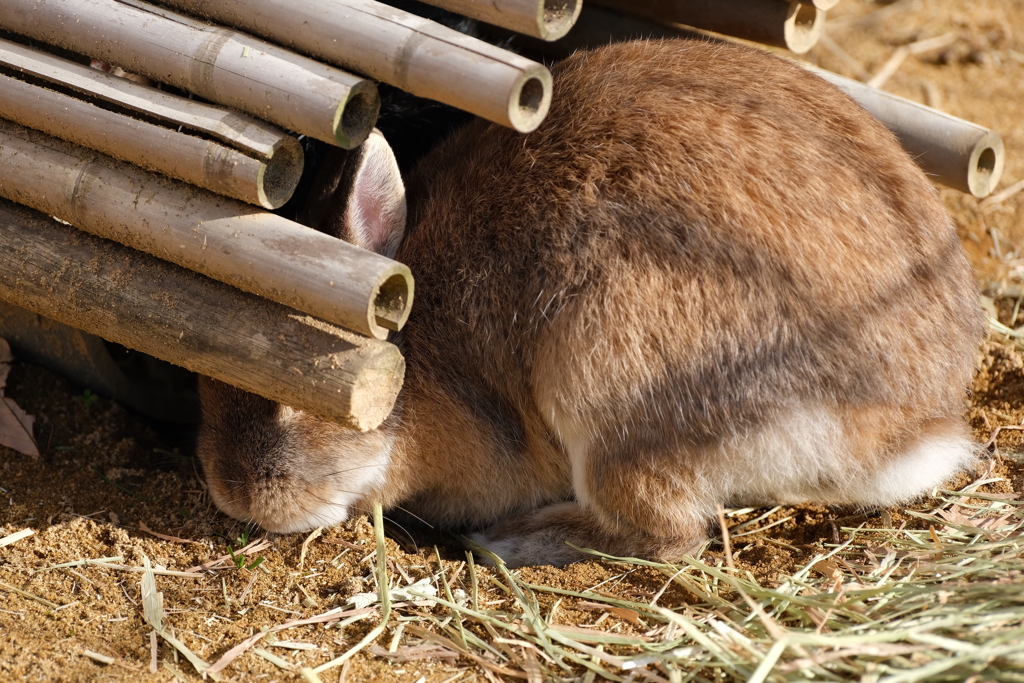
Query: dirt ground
[[108, 478]]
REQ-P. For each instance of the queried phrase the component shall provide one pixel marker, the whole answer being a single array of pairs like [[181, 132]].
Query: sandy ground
[[106, 476]]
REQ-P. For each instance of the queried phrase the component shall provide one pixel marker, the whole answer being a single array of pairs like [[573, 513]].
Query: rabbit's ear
[[375, 211]]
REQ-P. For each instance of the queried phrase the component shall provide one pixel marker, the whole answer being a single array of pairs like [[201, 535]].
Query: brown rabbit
[[709, 277]]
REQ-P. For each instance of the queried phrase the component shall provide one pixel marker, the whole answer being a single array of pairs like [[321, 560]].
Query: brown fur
[[699, 243]]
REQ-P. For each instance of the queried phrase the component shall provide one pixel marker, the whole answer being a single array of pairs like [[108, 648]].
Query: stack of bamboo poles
[[143, 134], [225, 287]]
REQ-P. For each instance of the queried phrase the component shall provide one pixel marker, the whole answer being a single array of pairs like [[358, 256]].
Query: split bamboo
[[409, 52], [792, 25], [956, 153], [227, 125], [215, 63], [225, 239], [544, 19], [172, 313], [267, 180]]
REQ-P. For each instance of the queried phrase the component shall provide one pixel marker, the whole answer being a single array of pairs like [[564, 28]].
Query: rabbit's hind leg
[[626, 506], [552, 534]]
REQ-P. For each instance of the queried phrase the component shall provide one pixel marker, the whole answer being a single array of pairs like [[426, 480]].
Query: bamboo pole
[[544, 19], [956, 153], [208, 327], [143, 383], [596, 26], [792, 25], [267, 182], [409, 52], [225, 239], [217, 64]]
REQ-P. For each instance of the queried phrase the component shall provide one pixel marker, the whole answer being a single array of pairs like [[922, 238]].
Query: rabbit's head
[[281, 468]]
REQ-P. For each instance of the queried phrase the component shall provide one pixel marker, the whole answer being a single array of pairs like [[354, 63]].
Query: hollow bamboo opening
[[986, 161], [356, 116], [279, 178], [558, 16], [803, 27], [391, 305], [986, 166], [527, 110]]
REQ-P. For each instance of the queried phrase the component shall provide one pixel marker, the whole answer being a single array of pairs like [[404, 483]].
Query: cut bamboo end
[[355, 116], [223, 66], [224, 239], [557, 18], [803, 26], [280, 175], [531, 99], [390, 306], [985, 165], [823, 5], [954, 152], [155, 307], [544, 19]]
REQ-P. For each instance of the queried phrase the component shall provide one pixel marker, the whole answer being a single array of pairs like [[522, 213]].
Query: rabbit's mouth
[[319, 505], [333, 482], [284, 505]]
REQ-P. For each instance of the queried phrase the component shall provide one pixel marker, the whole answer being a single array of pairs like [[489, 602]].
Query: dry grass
[[935, 598]]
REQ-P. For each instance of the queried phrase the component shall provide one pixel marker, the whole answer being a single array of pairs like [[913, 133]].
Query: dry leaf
[[829, 569], [623, 613], [15, 423], [172, 539], [632, 616], [16, 428]]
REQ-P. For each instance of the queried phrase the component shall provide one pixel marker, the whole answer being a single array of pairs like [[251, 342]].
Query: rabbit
[[708, 278]]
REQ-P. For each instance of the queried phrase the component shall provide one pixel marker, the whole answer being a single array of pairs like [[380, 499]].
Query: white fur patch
[[806, 456], [781, 463], [576, 447], [575, 441], [929, 464], [324, 515]]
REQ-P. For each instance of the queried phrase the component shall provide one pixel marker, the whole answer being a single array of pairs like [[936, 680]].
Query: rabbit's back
[[696, 236]]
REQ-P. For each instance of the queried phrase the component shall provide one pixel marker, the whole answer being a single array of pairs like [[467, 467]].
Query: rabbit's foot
[[554, 534]]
